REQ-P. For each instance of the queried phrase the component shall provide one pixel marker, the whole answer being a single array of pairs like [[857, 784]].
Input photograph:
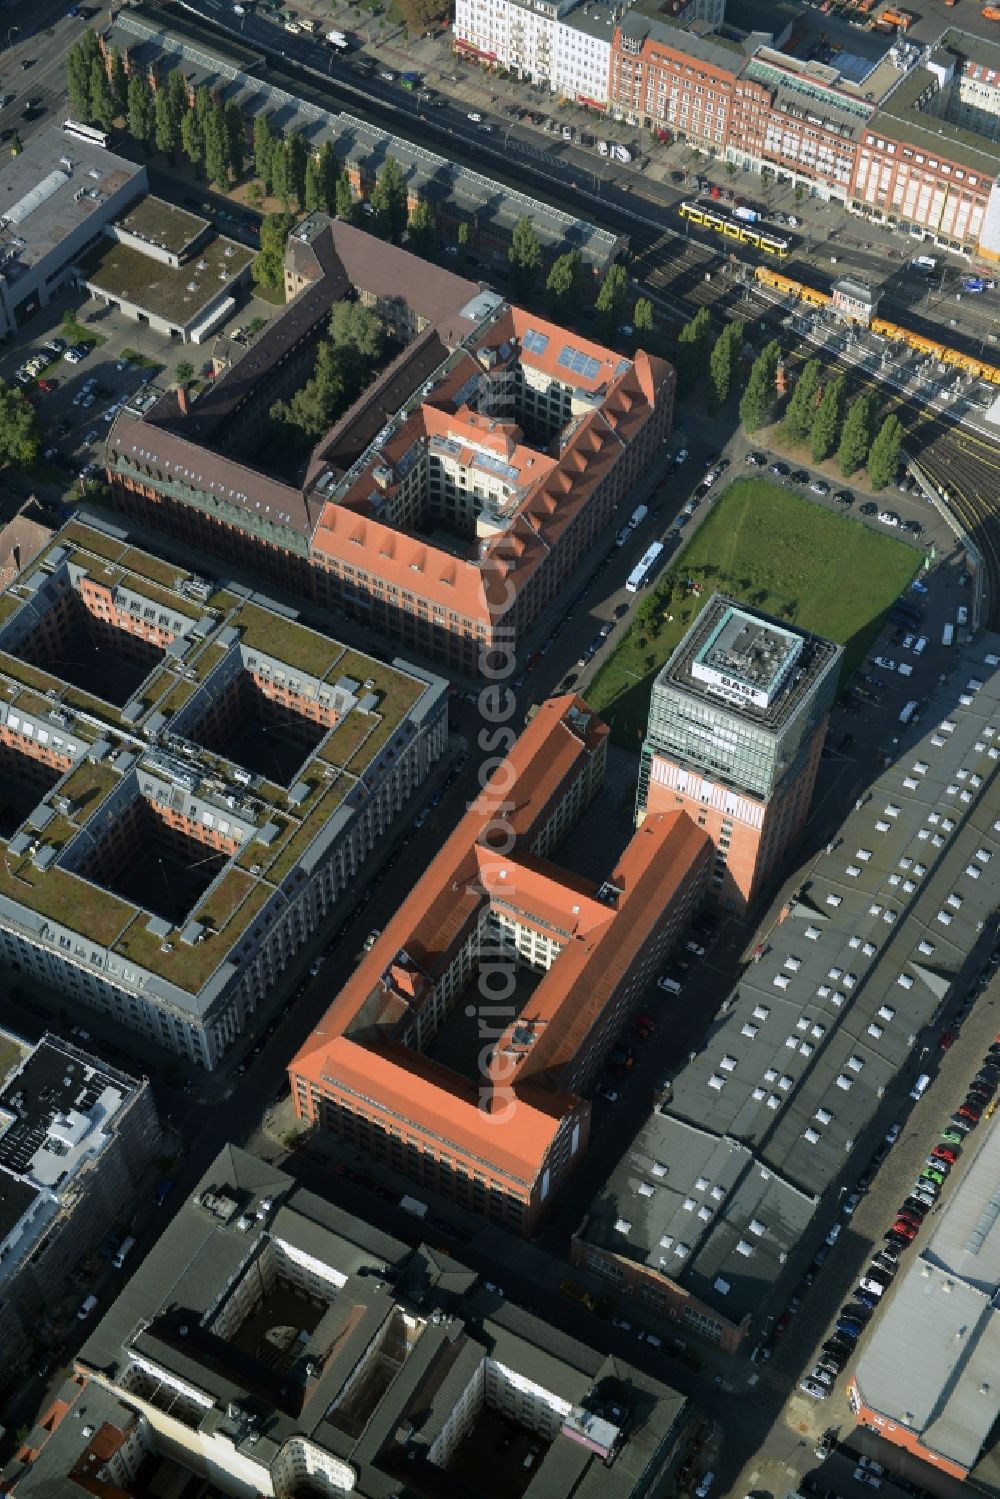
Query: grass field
[[776, 551]]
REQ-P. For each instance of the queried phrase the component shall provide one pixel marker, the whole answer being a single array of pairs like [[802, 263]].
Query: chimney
[[182, 399]]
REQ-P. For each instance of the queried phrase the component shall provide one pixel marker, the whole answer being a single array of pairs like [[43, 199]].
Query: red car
[[945, 1039], [945, 1153], [967, 1112], [46, 387], [903, 1215], [905, 1230]]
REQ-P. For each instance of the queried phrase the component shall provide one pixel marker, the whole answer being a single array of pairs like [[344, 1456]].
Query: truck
[[413, 1205], [637, 517], [748, 215]]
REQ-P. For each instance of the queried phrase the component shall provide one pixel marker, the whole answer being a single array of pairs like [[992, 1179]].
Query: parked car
[[945, 1153], [813, 1388], [843, 497], [850, 1327], [820, 486]]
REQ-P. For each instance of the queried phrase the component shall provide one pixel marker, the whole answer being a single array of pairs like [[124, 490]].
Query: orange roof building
[[461, 1050], [447, 506]]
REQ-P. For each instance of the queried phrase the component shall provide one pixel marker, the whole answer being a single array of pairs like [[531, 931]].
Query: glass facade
[[730, 742]]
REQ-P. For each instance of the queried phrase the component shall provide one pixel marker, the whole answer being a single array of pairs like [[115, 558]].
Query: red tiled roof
[[354, 1049]]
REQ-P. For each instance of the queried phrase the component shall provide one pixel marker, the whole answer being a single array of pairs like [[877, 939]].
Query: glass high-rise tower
[[736, 724]]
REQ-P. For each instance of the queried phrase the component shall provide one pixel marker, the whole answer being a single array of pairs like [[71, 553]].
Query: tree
[[390, 201], [462, 241], [184, 371], [826, 422], [857, 433], [329, 172], [693, 352], [80, 61], [611, 299], [281, 184], [119, 82], [102, 105], [356, 336], [298, 157], [179, 98], [263, 149], [269, 263], [203, 104], [236, 138], [313, 408], [524, 256], [20, 433], [166, 129], [642, 315], [801, 407], [345, 205], [758, 397], [562, 285], [193, 138], [423, 15], [883, 456], [422, 233], [313, 187], [217, 146], [141, 110], [722, 364]]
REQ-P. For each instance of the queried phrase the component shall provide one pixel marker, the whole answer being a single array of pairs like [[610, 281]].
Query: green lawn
[[771, 549]]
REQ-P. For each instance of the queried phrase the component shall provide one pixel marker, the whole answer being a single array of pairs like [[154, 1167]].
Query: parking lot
[[76, 401]]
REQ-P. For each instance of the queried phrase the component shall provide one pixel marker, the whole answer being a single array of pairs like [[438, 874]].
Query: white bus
[[86, 133], [643, 569]]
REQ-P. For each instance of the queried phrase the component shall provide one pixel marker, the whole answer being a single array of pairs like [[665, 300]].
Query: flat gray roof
[[49, 190]]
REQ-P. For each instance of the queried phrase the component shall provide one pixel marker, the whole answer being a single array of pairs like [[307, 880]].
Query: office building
[[450, 504], [460, 1050], [57, 195], [726, 1193], [668, 75], [737, 720], [192, 778], [75, 1139], [274, 1343], [926, 1376]]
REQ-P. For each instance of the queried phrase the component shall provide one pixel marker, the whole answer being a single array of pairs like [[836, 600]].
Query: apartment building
[[274, 1343], [460, 1050], [192, 779], [737, 720], [669, 76], [450, 503], [75, 1138]]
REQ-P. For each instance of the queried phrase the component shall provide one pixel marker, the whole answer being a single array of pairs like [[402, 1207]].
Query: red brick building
[[461, 1050]]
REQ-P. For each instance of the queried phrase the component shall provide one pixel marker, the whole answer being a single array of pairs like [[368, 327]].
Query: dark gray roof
[[424, 1309]]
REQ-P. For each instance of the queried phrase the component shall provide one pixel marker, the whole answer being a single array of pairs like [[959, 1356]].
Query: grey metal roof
[[932, 1364], [966, 1241], [685, 1197], [800, 1057]]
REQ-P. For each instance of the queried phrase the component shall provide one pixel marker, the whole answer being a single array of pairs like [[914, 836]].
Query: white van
[[122, 1252], [962, 616], [925, 263], [948, 634], [921, 1085], [905, 669], [908, 711], [671, 985], [86, 1307]]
